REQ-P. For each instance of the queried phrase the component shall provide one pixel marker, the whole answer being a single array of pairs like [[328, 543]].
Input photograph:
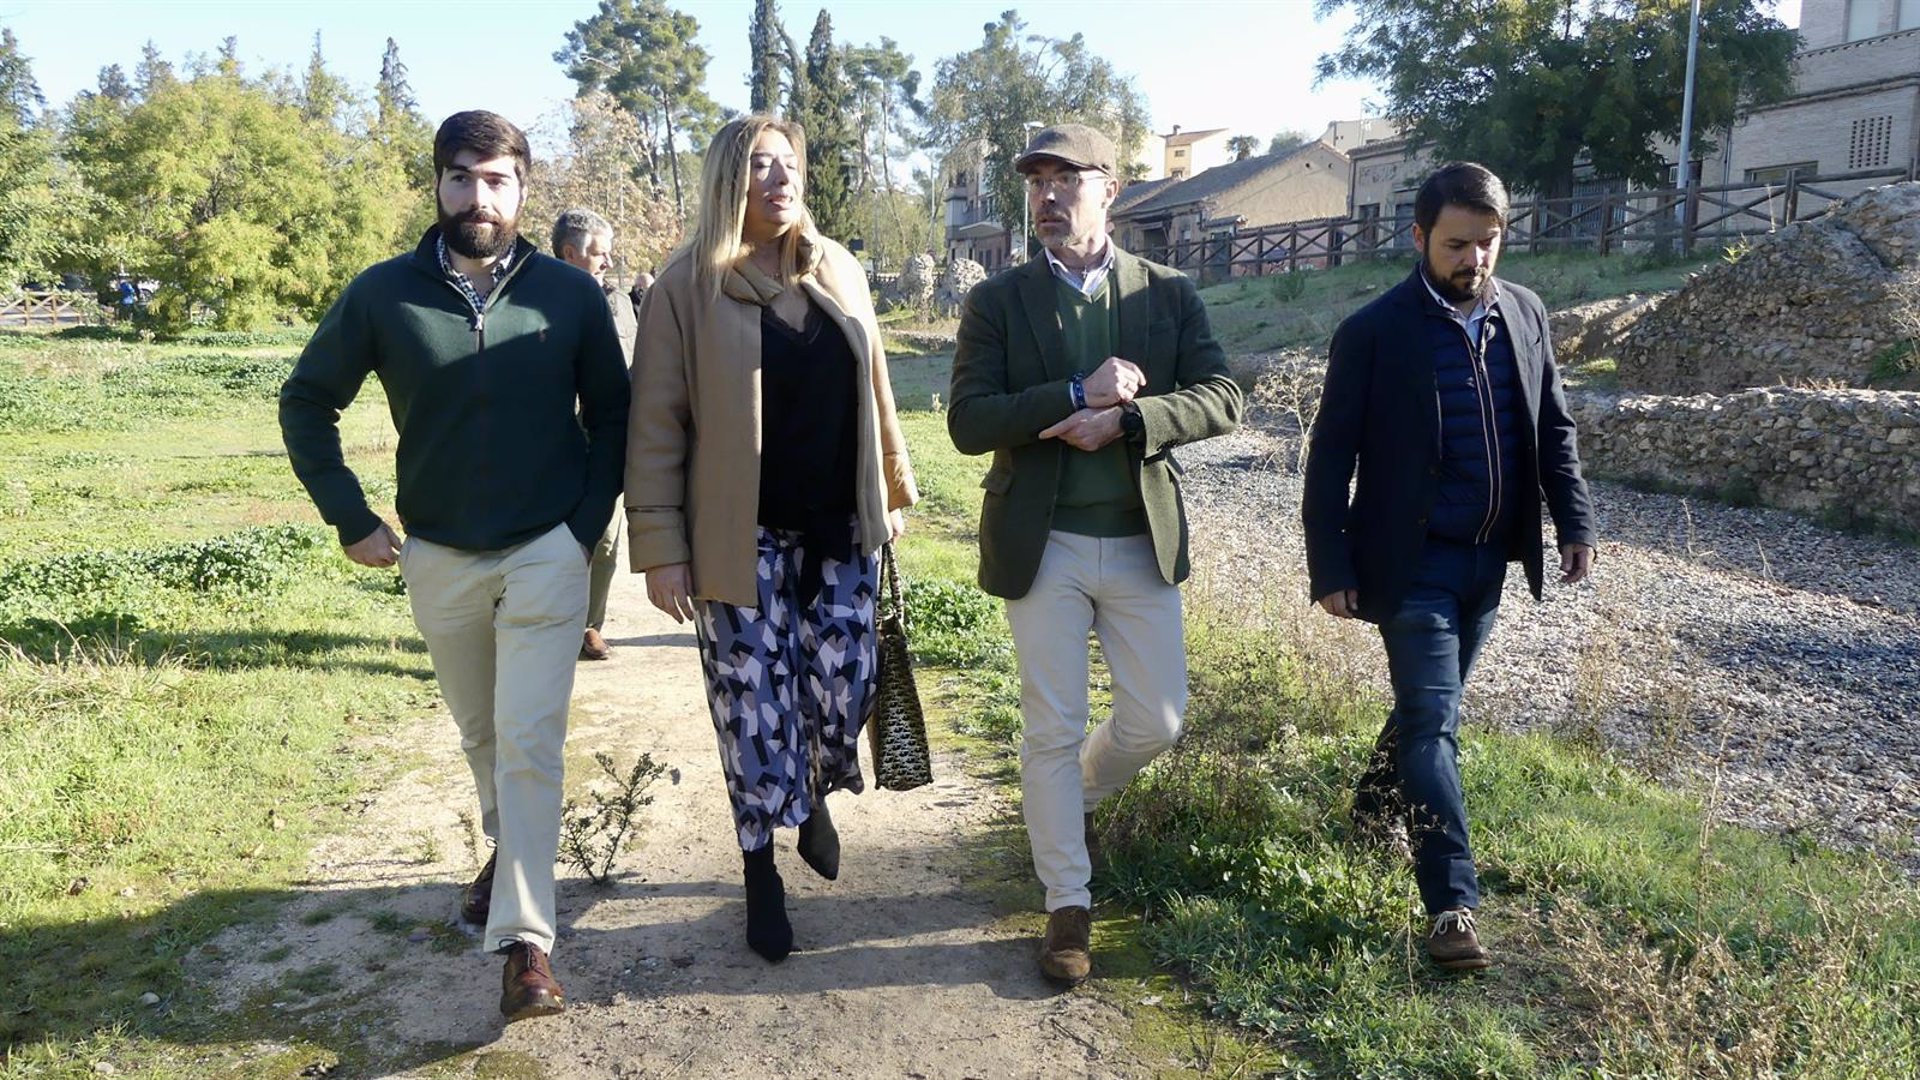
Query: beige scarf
[[749, 284]]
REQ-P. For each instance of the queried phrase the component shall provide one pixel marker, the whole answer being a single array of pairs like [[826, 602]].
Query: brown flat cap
[[1076, 144]]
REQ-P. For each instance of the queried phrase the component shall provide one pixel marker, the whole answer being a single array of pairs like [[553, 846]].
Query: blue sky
[[1246, 65]]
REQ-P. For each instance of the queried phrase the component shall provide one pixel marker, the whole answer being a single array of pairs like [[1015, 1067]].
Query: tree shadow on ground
[[122, 634]]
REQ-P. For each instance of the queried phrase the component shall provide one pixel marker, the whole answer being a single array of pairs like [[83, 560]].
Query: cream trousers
[[1113, 588], [503, 628]]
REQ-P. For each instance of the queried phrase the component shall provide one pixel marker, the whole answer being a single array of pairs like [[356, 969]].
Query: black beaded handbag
[[896, 723]]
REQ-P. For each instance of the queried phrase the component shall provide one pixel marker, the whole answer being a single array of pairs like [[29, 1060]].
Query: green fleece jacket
[[492, 452]]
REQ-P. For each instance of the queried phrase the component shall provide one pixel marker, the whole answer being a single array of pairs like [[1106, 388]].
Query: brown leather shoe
[[527, 987], [477, 901], [1452, 944], [594, 647], [1066, 952]]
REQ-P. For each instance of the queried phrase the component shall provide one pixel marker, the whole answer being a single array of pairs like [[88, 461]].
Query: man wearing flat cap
[[1081, 372]]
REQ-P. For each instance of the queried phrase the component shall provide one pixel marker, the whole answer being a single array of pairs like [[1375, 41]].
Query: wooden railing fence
[[1667, 221]]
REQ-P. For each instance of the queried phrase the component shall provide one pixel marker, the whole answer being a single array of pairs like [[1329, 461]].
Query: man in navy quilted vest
[[1443, 397]]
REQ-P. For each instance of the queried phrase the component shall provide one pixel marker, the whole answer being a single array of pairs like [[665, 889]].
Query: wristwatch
[[1132, 424]]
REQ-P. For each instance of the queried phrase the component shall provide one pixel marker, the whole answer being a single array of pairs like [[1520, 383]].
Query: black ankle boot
[[768, 931], [820, 841]]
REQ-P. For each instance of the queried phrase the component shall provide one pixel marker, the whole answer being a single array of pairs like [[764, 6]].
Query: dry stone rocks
[[1590, 331], [960, 278], [1829, 300], [918, 278]]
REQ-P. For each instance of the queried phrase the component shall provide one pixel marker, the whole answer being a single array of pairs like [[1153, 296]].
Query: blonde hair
[[718, 240]]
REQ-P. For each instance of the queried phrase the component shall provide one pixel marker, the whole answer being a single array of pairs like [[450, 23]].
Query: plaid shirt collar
[[460, 280]]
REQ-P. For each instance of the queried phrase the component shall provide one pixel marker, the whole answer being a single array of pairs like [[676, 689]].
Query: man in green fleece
[[1081, 372], [485, 348]]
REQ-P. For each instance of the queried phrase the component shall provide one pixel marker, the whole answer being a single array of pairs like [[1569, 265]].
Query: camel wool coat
[[693, 446]]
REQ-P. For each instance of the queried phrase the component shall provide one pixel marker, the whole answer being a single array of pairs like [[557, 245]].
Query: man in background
[[585, 239]]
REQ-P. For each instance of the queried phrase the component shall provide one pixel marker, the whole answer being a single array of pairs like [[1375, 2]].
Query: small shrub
[[592, 837], [1289, 286]]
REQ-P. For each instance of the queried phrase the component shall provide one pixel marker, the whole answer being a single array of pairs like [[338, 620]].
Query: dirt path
[[903, 967]]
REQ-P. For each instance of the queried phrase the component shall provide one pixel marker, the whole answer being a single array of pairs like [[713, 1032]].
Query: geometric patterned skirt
[[788, 681]]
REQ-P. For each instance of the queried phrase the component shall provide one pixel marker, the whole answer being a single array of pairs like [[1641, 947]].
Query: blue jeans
[[1432, 641]]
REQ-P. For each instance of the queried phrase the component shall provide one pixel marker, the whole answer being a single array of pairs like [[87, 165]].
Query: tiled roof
[[1133, 193], [1214, 181], [1183, 138]]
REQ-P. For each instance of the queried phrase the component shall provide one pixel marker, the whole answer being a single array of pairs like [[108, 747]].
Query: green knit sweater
[[491, 450], [1098, 496]]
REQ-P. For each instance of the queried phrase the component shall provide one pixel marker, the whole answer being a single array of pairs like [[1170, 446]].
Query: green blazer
[[1010, 375]]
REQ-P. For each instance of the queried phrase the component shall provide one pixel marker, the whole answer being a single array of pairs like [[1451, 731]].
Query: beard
[[476, 234], [1469, 284]]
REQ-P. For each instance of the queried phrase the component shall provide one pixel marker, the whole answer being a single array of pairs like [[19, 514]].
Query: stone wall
[[1854, 454]]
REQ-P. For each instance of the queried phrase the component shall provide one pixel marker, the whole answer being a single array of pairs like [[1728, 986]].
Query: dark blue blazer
[[1380, 418]]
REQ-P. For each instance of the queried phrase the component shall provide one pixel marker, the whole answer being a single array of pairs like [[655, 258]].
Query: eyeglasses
[[1065, 183]]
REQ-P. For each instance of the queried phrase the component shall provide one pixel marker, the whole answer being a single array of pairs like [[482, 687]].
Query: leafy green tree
[[26, 168], [322, 93], [1287, 140], [1533, 88], [392, 93], [600, 165], [833, 152], [152, 72], [403, 138], [886, 91], [766, 42], [643, 53], [240, 206], [113, 84], [1013, 78], [1243, 146]]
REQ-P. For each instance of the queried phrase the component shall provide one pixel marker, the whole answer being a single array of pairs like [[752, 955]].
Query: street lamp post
[[1686, 128], [1027, 129]]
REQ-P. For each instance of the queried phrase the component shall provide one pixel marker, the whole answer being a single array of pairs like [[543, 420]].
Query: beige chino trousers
[[503, 628], [1113, 588]]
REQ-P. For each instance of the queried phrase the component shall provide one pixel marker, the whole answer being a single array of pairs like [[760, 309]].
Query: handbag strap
[[890, 584]]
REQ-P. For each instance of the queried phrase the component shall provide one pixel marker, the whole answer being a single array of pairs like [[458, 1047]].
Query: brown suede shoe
[[1066, 952], [594, 647], [1453, 945], [527, 987], [477, 901]]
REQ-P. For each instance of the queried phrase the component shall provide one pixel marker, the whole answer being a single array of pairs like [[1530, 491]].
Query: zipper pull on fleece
[[479, 321]]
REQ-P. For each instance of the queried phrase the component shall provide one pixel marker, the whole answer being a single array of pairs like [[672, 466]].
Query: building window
[[1871, 146], [1776, 175], [1863, 19], [1182, 152], [1178, 174], [1910, 14]]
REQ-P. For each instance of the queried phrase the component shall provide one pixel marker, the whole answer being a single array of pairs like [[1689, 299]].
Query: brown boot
[[1452, 944], [477, 901], [1066, 952], [593, 646], [527, 986]]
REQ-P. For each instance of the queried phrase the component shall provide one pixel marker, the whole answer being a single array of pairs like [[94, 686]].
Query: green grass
[[187, 672], [1302, 309]]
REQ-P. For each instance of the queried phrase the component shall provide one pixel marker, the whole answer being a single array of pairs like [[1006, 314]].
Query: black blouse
[[808, 453]]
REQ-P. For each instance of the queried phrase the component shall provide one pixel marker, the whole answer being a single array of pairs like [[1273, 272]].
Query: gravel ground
[[1747, 645]]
